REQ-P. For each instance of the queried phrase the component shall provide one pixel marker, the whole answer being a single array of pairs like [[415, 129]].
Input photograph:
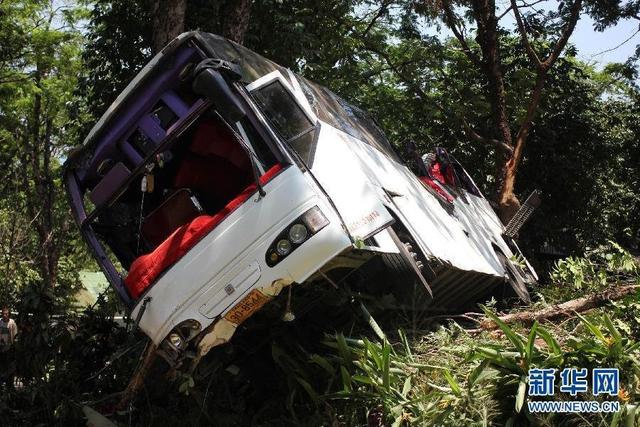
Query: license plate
[[247, 306]]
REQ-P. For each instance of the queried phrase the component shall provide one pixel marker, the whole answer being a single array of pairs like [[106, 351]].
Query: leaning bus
[[218, 178]]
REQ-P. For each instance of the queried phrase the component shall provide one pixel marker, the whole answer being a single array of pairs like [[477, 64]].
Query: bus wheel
[[516, 283], [405, 268]]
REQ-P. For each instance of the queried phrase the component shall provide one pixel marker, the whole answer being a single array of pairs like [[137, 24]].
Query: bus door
[[324, 151]]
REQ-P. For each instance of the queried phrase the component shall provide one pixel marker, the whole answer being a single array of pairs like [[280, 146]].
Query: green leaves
[[376, 374], [455, 387], [515, 339]]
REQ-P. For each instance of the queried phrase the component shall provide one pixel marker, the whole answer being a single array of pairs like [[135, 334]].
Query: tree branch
[[137, 379], [503, 14], [542, 69], [564, 37], [450, 20], [381, 11], [564, 310], [533, 56], [491, 141], [424, 96], [507, 10], [532, 108]]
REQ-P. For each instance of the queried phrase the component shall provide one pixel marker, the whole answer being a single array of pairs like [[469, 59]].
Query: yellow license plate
[[247, 306]]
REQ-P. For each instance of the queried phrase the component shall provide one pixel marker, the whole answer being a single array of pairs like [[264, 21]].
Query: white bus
[[218, 178]]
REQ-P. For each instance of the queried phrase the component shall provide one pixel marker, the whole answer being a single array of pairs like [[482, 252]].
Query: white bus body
[[337, 176]]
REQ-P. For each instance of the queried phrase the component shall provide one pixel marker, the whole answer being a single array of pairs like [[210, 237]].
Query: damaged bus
[[218, 178]]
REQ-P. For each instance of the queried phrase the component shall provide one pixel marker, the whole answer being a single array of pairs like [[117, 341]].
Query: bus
[[217, 179]]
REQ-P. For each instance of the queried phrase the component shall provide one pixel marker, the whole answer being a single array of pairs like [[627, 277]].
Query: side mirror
[[210, 83]]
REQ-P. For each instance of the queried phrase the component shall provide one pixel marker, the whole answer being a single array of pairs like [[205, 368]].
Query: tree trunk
[[167, 21], [485, 15], [137, 379], [38, 183], [235, 19], [507, 200], [490, 45]]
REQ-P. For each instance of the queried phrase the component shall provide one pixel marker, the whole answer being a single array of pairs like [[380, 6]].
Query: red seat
[[147, 268], [216, 167], [214, 140], [213, 178]]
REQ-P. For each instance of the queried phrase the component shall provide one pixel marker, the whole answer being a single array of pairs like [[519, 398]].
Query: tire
[[402, 272], [398, 268], [516, 283]]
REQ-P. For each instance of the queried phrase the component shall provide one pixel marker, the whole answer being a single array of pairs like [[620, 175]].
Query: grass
[[446, 375]]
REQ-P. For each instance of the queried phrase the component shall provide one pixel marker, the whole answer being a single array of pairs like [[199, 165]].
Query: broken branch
[[564, 310], [137, 380]]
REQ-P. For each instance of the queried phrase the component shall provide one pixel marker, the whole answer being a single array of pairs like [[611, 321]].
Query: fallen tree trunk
[[564, 310]]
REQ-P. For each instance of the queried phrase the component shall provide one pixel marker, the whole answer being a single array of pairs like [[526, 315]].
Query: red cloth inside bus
[[146, 268], [437, 188], [444, 175]]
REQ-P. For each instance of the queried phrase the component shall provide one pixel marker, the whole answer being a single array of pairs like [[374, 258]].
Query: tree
[[36, 128], [421, 87], [167, 21], [236, 16], [488, 37]]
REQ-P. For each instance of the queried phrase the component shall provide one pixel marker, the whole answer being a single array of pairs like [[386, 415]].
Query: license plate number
[[247, 306]]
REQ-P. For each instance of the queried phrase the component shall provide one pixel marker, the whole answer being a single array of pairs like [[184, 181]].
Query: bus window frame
[[314, 125]]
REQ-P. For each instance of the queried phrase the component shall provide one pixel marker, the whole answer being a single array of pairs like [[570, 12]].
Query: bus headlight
[[298, 232], [283, 247]]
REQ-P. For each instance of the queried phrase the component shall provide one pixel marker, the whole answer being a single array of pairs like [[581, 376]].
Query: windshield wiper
[[208, 80], [252, 156]]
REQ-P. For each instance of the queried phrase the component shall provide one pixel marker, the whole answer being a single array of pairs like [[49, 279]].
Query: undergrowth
[[425, 371], [450, 376]]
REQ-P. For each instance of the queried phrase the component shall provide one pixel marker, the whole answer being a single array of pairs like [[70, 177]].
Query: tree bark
[[484, 12], [566, 309], [167, 21], [235, 19], [38, 183], [137, 379], [507, 201]]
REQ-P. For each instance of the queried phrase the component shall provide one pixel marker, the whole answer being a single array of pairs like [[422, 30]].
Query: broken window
[[288, 118]]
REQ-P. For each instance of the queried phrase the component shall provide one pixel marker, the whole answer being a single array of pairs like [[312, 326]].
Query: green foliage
[[451, 377], [476, 381], [378, 377], [600, 267], [114, 26]]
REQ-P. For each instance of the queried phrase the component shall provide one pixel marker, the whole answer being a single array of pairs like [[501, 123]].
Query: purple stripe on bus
[[177, 105], [151, 129], [132, 155]]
